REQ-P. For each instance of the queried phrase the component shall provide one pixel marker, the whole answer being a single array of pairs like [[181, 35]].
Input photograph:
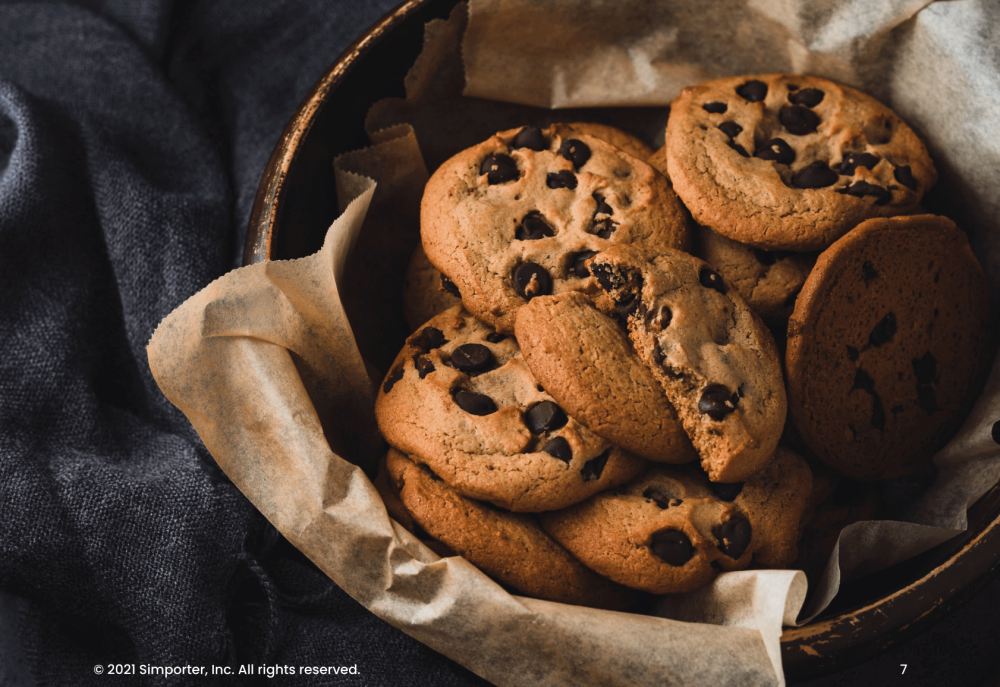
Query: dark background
[[133, 136]]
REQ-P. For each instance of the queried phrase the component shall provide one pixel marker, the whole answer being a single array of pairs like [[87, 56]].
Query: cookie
[[387, 489], [516, 216], [426, 292], [510, 547], [713, 356], [460, 399], [885, 345], [586, 362], [769, 281], [791, 162]]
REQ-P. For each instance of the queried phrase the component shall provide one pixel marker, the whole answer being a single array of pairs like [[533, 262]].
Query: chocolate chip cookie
[[885, 345], [713, 356], [426, 292], [509, 547], [516, 216], [586, 362], [791, 162], [460, 398]]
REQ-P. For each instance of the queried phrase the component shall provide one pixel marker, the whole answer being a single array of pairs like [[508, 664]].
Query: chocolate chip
[[557, 447], [391, 379], [769, 257], [904, 175], [878, 413], [449, 286], [579, 263], [710, 279], [738, 148], [726, 491], [925, 369], [606, 276], [860, 189], [499, 169], [754, 91], [472, 357], [714, 108], [777, 150], [428, 338], [863, 381], [473, 403], [530, 137], [495, 337], [673, 547], [607, 230], [545, 416], [717, 402], [854, 160], [868, 271], [798, 120], [533, 227], [423, 364], [734, 536], [926, 398], [563, 179], [575, 151], [593, 468], [531, 279], [657, 496], [658, 356], [995, 432], [809, 97], [665, 315], [883, 332], [817, 175], [602, 207], [627, 304], [604, 226], [853, 353], [731, 129]]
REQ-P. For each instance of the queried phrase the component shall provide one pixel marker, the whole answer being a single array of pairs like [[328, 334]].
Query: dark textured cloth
[[133, 134]]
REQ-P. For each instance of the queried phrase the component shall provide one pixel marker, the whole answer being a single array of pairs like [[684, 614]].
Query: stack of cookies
[[593, 401]]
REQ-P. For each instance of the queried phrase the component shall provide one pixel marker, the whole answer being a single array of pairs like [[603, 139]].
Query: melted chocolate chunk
[[606, 276], [927, 399], [808, 97], [428, 338], [726, 491], [531, 279], [533, 227], [575, 151], [602, 207], [473, 403], [853, 353], [607, 230], [627, 305], [817, 175], [657, 496], [563, 179], [863, 381], [731, 129], [665, 315], [557, 447], [472, 357], [423, 364], [530, 137], [904, 175], [798, 120], [499, 169], [734, 536], [673, 547], [593, 468], [391, 379], [579, 263], [495, 337], [754, 91], [604, 226], [925, 369], [854, 160], [883, 331], [710, 279], [776, 149], [868, 271], [545, 416], [449, 286], [714, 108], [717, 402], [860, 189], [738, 148]]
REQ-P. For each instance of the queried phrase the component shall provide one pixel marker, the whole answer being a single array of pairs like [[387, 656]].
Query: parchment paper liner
[[265, 365]]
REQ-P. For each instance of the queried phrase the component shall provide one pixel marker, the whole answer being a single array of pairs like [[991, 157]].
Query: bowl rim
[[819, 647]]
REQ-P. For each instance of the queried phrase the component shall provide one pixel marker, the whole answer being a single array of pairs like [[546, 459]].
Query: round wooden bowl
[[296, 202]]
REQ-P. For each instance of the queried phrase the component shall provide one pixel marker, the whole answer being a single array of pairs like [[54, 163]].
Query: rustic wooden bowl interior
[[296, 202]]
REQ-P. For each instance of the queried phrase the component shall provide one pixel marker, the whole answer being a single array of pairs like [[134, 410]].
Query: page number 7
[[904, 668]]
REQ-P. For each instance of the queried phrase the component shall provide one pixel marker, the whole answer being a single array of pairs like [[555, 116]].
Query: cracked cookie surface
[[791, 162], [885, 345], [460, 398]]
